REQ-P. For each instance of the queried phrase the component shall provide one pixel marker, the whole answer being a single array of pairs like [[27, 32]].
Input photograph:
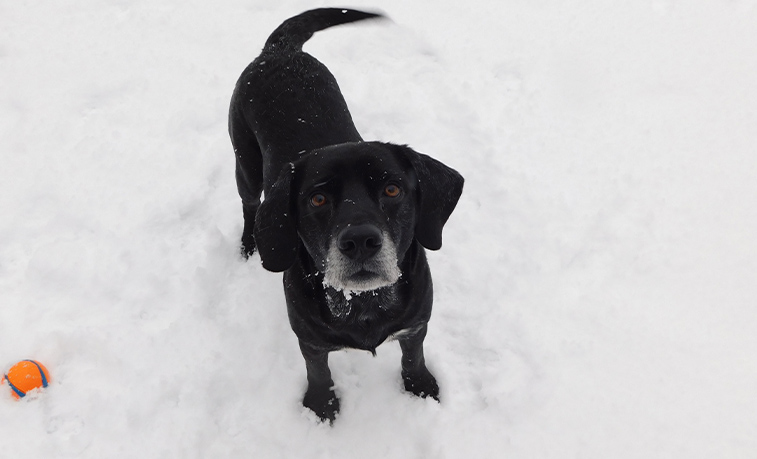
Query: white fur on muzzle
[[347, 275]]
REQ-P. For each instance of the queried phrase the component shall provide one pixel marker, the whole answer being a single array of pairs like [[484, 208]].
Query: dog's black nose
[[360, 242]]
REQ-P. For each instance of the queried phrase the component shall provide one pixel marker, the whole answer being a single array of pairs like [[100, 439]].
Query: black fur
[[345, 220]]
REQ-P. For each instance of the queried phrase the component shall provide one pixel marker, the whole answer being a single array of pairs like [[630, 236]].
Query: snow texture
[[595, 295]]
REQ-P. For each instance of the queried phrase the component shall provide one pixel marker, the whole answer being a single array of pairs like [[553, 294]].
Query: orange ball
[[26, 375]]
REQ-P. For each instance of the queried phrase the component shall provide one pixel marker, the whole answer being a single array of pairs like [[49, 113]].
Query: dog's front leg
[[320, 396], [416, 376], [248, 240]]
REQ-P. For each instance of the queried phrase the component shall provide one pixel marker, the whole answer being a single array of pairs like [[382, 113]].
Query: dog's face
[[356, 208], [356, 211]]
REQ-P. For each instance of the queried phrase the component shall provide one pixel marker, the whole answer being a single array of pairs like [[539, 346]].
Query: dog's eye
[[317, 200], [392, 191]]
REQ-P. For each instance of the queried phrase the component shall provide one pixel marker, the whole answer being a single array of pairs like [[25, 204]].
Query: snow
[[595, 294]]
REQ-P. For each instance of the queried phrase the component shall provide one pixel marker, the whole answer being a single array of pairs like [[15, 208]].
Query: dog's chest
[[364, 320]]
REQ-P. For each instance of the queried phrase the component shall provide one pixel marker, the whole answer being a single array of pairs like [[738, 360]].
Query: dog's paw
[[423, 384], [247, 248], [324, 404]]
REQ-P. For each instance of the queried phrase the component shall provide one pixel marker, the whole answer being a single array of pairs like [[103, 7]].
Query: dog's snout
[[360, 242]]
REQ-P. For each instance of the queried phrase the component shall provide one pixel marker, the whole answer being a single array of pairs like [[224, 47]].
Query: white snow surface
[[595, 294]]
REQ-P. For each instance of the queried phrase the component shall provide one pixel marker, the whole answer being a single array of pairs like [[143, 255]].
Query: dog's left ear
[[275, 226], [440, 188]]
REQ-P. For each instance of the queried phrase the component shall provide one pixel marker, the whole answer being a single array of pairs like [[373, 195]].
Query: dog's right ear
[[275, 225]]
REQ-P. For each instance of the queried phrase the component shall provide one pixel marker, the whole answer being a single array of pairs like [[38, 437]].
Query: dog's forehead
[[365, 163]]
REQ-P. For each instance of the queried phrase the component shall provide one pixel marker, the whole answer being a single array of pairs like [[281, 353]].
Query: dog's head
[[356, 208]]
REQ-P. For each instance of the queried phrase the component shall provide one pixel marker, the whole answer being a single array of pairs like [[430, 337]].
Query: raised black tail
[[295, 31]]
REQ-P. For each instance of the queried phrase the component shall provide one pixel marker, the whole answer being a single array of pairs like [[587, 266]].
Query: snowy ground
[[595, 294]]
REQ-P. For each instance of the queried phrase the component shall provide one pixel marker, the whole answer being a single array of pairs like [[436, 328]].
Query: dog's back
[[286, 101]]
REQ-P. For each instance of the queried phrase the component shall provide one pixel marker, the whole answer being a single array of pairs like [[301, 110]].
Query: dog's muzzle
[[361, 258]]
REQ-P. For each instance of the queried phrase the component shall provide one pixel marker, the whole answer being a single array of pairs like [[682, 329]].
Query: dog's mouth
[[362, 280], [345, 275]]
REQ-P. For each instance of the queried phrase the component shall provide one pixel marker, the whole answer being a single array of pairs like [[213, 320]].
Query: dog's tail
[[295, 31]]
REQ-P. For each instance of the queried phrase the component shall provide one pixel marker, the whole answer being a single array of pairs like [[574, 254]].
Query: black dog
[[346, 220]]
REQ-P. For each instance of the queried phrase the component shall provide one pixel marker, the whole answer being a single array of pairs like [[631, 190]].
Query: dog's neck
[[343, 304]]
